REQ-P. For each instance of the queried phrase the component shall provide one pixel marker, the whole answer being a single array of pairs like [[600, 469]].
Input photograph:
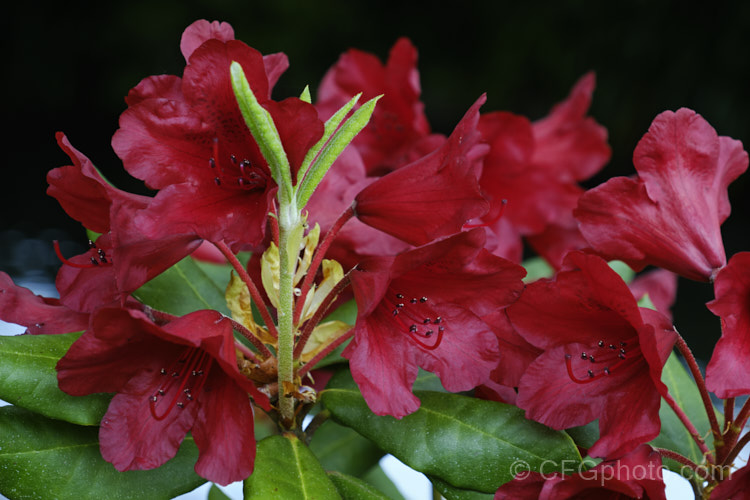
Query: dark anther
[[94, 261], [92, 244], [591, 358], [413, 301], [428, 333], [217, 181], [413, 328], [175, 374], [233, 159], [438, 320], [395, 312], [584, 355], [601, 343], [161, 392], [612, 347], [154, 398], [399, 295], [441, 328], [423, 299], [622, 351], [212, 162], [621, 356], [591, 374], [163, 371], [606, 371], [427, 321], [623, 344], [399, 305], [180, 405]]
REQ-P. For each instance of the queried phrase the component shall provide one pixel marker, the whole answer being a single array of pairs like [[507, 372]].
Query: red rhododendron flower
[[122, 258], [536, 167], [40, 315], [728, 371], [636, 475], [670, 215], [422, 308], [433, 196], [168, 380], [398, 131], [187, 138], [602, 358]]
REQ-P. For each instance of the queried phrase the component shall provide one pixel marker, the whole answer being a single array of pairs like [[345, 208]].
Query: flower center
[[98, 257], [417, 319], [233, 173], [602, 360], [182, 381]]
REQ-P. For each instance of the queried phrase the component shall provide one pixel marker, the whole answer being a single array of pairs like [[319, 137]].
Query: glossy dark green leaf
[[28, 379], [286, 468], [585, 435], [181, 289], [377, 477], [343, 449], [351, 488], [468, 442], [674, 436], [452, 493], [45, 458]]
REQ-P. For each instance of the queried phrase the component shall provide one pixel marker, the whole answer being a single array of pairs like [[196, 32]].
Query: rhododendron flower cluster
[[328, 273]]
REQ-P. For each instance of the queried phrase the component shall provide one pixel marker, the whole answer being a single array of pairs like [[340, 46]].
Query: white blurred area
[[411, 484]]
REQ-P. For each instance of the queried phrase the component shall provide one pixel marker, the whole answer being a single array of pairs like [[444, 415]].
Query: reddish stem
[[743, 415], [246, 352], [736, 449], [254, 293], [325, 352], [689, 426], [698, 469], [252, 338], [310, 324], [318, 258], [700, 382]]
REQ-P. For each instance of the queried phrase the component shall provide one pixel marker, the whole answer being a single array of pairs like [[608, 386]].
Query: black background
[[67, 67]]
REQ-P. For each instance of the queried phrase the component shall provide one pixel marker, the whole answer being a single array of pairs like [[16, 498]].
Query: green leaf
[[453, 493], [218, 273], [585, 435], [215, 493], [343, 136], [468, 442], [625, 271], [43, 458], [377, 478], [264, 131], [28, 379], [343, 449], [351, 488], [286, 468], [674, 436], [182, 289]]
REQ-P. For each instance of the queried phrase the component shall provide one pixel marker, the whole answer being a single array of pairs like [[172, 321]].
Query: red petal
[[130, 438], [670, 217], [201, 31], [224, 433], [431, 197], [728, 372], [40, 315]]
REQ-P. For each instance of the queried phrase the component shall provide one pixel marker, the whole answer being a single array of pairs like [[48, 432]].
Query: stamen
[[93, 261], [412, 327], [188, 369], [604, 356]]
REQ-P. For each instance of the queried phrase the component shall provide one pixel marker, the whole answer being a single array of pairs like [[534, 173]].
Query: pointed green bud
[[340, 139]]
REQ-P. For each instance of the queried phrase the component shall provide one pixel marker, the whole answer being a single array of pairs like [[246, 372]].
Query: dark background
[[67, 67]]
